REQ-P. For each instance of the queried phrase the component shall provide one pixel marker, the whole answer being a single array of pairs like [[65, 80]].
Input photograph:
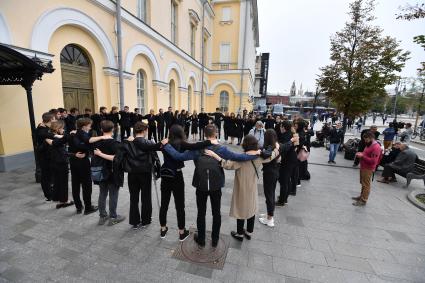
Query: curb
[[418, 142], [412, 198]]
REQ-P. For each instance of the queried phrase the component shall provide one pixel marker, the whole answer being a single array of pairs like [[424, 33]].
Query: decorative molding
[[5, 36], [194, 17], [223, 82], [32, 53], [197, 92], [160, 83], [193, 76], [175, 66], [51, 20], [183, 89], [114, 73], [146, 51]]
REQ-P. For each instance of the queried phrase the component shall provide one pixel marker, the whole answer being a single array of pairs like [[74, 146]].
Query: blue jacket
[[194, 154], [389, 134]]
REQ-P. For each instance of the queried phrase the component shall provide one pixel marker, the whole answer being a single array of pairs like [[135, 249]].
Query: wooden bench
[[417, 173]]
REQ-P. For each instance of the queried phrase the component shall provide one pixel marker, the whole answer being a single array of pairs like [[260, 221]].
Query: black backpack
[[209, 175], [136, 160]]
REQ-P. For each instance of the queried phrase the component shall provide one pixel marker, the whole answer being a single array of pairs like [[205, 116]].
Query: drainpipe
[[119, 58], [202, 53], [243, 54]]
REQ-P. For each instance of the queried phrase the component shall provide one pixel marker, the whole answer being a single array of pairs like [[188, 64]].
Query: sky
[[297, 35]]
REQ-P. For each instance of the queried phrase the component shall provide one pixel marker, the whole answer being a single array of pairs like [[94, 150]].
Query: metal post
[[419, 107], [119, 57], [395, 99], [202, 54]]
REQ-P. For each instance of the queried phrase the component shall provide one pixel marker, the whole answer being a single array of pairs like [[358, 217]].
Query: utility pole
[[419, 107], [395, 99], [119, 57]]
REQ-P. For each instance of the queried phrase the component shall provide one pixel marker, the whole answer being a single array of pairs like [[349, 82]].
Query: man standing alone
[[369, 159], [336, 136]]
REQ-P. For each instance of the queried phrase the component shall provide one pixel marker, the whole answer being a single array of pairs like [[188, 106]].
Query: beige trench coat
[[245, 192]]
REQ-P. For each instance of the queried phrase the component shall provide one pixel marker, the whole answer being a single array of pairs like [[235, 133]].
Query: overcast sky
[[297, 32]]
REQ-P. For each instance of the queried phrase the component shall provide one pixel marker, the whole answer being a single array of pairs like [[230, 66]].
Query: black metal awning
[[18, 69]]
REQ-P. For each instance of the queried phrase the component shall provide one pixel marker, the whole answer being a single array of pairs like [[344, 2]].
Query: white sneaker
[[298, 186], [266, 221]]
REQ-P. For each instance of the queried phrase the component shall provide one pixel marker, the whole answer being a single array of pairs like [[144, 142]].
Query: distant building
[[261, 78], [293, 90], [278, 98]]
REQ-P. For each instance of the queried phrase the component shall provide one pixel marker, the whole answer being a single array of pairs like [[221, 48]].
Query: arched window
[[141, 91], [224, 101], [73, 55]]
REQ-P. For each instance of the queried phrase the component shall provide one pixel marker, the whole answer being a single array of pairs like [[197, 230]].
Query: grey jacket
[[405, 161]]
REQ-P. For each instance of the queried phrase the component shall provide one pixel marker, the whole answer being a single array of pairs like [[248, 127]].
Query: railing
[[224, 66]]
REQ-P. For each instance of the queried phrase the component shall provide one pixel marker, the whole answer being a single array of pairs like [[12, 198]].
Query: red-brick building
[[277, 99]]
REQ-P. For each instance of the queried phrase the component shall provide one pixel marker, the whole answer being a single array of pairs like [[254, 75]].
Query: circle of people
[[87, 145]]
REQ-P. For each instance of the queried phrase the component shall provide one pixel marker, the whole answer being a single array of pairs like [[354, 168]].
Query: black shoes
[[247, 236], [199, 242], [65, 204], [355, 198], [79, 210], [164, 232], [90, 210], [237, 236], [214, 243], [184, 236]]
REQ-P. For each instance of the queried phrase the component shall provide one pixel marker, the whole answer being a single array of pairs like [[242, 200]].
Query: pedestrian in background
[[336, 136], [389, 134]]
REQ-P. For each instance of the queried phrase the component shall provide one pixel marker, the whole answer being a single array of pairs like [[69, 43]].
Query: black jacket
[[125, 119], [70, 121], [79, 142], [336, 135], [203, 119], [168, 118], [58, 153], [42, 133], [290, 156], [160, 120]]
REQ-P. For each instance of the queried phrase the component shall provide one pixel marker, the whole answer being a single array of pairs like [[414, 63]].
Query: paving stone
[[22, 239], [70, 236], [13, 274], [68, 254], [298, 221], [195, 269], [304, 255], [400, 236], [295, 280], [260, 261], [284, 266], [350, 263]]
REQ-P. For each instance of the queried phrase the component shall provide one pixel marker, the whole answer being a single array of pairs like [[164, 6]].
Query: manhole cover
[[205, 256]]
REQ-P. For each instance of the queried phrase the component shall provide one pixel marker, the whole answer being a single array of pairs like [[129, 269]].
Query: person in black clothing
[[140, 183], [239, 128], [59, 164], [249, 124], [87, 114], [288, 166], [194, 120], [336, 136], [271, 174], [169, 119], [71, 119], [226, 125], [98, 118], [172, 181], [114, 117], [218, 118], [269, 122], [135, 117], [186, 122], [106, 149], [42, 133], [299, 127], [232, 127], [160, 124], [125, 123], [277, 127], [203, 121], [151, 125], [79, 149]]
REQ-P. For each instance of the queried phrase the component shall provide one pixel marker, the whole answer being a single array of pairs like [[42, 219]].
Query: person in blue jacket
[[213, 187]]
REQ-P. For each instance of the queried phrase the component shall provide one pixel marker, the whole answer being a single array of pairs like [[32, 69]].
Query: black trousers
[[270, 176], [125, 132], [218, 130], [81, 177], [140, 187], [152, 133], [173, 186], [287, 184], [201, 203], [226, 134], [160, 130], [60, 182], [167, 129], [240, 223], [46, 175], [201, 133]]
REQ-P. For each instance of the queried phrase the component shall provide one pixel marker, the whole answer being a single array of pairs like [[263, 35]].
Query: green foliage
[[363, 62]]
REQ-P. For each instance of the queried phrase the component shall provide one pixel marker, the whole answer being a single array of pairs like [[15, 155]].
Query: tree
[[414, 12], [363, 62]]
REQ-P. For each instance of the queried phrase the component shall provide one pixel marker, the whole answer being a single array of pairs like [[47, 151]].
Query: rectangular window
[[141, 10], [173, 21], [192, 40], [226, 14], [225, 53], [204, 51]]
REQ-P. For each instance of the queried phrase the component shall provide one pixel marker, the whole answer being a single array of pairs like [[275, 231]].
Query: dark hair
[[176, 134], [408, 125], [53, 111], [368, 135], [62, 110], [106, 126], [83, 122], [286, 125], [249, 143], [47, 117], [87, 110], [301, 126], [139, 127], [270, 138], [136, 109], [210, 131], [102, 108], [73, 110], [391, 125]]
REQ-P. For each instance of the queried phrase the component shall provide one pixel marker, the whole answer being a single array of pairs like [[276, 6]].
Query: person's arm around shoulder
[[225, 153], [181, 156], [226, 164], [103, 155]]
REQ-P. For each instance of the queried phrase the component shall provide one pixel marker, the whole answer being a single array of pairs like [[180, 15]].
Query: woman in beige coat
[[245, 193]]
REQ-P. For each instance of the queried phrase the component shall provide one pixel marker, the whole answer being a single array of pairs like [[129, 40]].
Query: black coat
[[125, 119]]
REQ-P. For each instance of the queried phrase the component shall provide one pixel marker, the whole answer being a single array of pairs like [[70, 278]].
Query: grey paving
[[319, 236]]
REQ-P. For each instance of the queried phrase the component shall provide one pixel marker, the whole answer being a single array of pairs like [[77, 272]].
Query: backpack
[[209, 175], [136, 160], [99, 170]]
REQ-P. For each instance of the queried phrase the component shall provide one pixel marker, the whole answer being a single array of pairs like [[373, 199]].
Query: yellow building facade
[[187, 54]]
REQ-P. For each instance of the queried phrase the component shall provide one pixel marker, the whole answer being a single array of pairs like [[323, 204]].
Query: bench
[[417, 173]]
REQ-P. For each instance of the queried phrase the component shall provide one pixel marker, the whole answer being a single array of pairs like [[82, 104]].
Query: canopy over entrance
[[18, 69]]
